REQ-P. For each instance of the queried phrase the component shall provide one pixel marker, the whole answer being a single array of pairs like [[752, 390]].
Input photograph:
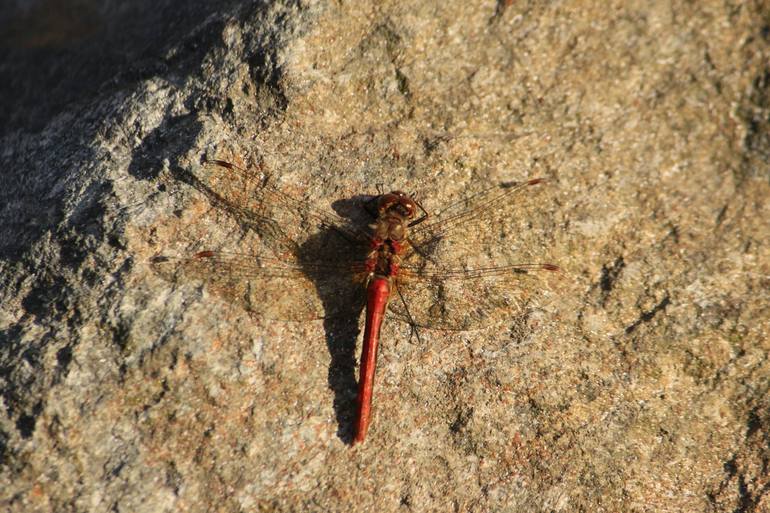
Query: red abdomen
[[376, 301]]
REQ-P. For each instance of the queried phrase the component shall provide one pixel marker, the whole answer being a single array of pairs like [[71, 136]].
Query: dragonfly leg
[[412, 324], [424, 216]]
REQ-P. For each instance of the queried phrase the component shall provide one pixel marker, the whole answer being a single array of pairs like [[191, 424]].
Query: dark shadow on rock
[[47, 68], [341, 326], [343, 299], [60, 54], [169, 141]]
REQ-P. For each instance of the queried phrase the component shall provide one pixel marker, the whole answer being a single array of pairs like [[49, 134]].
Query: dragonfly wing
[[463, 299], [267, 287], [464, 212], [279, 218], [303, 264]]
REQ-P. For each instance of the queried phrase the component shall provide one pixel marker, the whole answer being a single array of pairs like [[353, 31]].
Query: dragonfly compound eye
[[399, 203], [408, 206]]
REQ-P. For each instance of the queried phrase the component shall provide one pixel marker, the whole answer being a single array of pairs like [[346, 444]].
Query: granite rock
[[636, 380]]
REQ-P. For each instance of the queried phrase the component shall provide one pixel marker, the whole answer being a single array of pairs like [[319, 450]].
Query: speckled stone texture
[[637, 380]]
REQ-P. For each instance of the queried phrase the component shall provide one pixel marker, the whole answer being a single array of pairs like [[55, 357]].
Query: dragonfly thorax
[[390, 227], [384, 259], [395, 211]]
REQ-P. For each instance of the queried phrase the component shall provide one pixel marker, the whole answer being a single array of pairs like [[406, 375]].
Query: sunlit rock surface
[[637, 380]]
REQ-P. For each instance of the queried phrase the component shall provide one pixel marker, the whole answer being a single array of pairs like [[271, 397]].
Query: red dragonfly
[[315, 264]]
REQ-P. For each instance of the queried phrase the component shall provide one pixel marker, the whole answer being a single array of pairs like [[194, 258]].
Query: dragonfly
[[313, 264]]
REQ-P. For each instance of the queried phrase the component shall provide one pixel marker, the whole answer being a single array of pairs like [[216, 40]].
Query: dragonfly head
[[398, 203]]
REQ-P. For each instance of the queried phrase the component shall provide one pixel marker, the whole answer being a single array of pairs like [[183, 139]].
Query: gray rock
[[636, 380]]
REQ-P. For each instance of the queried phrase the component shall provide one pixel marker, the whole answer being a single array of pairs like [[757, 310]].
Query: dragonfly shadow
[[314, 272], [343, 299]]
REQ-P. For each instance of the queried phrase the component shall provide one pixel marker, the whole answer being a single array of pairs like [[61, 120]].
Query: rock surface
[[636, 381]]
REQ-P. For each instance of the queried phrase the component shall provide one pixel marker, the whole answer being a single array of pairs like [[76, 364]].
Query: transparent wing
[[282, 221], [272, 288], [465, 299], [303, 264], [455, 273], [467, 213]]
